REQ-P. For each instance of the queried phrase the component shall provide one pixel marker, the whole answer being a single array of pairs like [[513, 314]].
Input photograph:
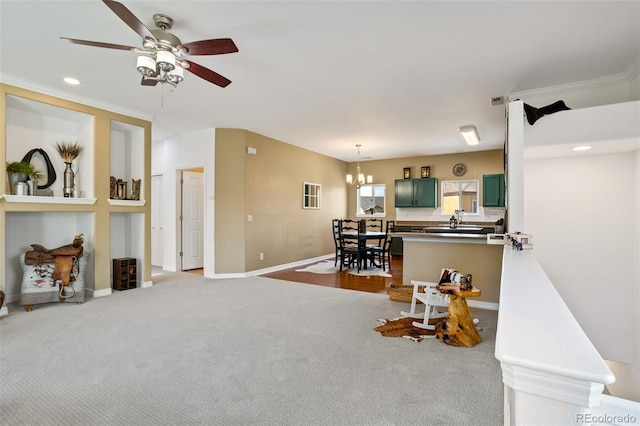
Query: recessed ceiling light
[[72, 81], [581, 148]]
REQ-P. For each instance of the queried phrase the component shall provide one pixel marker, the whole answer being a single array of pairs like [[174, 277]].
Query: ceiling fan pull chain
[[162, 99]]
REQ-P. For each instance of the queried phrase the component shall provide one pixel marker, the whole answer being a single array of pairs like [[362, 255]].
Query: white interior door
[[157, 250], [192, 220]]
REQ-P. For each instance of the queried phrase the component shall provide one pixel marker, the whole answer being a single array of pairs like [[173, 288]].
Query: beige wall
[[387, 171], [268, 186], [423, 261]]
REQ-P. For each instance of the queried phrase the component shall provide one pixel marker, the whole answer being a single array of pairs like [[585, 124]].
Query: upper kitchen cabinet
[[416, 192], [493, 190]]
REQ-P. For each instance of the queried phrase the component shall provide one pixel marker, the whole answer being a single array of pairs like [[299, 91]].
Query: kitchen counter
[[449, 237], [425, 254]]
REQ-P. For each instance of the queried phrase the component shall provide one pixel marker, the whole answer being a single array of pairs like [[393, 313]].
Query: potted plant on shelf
[[18, 171]]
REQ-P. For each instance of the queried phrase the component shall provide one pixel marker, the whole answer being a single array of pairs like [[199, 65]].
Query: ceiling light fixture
[[470, 134], [360, 179], [162, 67], [582, 148], [72, 81]]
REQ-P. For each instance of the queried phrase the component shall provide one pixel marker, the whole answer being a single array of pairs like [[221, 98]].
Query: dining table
[[362, 238]]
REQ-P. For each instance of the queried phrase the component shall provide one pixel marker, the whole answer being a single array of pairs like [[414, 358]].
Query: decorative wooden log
[[458, 329]]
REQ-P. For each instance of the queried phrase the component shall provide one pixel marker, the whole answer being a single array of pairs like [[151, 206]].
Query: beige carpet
[[252, 351]]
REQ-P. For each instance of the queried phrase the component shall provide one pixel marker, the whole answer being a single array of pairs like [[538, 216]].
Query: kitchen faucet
[[458, 213]]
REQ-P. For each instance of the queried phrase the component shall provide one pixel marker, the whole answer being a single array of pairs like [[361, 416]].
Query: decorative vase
[[68, 180], [33, 186], [14, 178]]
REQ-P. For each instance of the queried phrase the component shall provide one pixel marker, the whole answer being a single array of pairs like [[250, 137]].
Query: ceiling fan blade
[[101, 44], [216, 46], [129, 18], [206, 74]]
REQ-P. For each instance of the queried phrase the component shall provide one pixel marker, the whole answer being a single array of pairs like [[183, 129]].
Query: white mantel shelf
[[36, 199]]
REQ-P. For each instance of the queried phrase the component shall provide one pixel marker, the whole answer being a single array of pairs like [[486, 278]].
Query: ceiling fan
[[161, 55]]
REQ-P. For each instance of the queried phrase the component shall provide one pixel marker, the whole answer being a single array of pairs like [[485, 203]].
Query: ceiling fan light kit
[[159, 58]]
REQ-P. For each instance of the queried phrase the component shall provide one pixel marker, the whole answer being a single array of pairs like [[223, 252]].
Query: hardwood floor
[[374, 284]]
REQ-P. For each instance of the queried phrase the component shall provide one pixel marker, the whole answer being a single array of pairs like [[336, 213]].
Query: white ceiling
[[398, 77]]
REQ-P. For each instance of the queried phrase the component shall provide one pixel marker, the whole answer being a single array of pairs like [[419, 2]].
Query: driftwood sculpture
[[62, 258], [458, 329]]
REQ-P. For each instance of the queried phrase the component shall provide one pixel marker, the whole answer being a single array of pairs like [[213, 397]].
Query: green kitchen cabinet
[[493, 190], [416, 192]]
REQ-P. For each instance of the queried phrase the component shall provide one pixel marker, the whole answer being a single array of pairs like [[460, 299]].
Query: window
[[311, 195], [370, 200], [459, 195]]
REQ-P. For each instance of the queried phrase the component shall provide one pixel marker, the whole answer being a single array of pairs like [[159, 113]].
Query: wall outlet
[[261, 256]]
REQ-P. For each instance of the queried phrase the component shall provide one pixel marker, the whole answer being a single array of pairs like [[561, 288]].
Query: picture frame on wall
[[425, 171], [407, 172]]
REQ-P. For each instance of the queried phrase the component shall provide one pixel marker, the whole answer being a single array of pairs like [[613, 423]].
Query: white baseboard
[[101, 293], [146, 284], [271, 268]]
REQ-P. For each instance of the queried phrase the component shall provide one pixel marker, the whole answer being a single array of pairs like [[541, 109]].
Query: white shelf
[[37, 199], [114, 202]]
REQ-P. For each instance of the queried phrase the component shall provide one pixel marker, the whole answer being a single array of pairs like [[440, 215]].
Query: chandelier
[[360, 179]]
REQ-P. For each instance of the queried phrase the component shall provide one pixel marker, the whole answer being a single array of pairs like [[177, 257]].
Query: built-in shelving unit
[[113, 145]]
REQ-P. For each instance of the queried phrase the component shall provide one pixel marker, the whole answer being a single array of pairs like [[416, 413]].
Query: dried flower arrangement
[[69, 151]]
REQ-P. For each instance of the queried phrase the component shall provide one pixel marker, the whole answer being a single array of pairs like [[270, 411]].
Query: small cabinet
[[493, 190], [416, 192], [125, 273]]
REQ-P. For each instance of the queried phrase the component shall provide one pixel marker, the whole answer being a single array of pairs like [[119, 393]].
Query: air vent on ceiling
[[497, 100]]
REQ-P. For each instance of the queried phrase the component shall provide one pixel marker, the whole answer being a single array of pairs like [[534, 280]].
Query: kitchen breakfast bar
[[426, 253]]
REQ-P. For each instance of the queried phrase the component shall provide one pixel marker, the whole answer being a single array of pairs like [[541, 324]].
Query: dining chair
[[335, 228], [383, 251], [350, 248]]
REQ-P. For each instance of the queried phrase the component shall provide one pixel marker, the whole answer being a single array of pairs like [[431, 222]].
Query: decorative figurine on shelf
[[69, 152], [135, 189], [121, 190], [453, 222], [112, 187]]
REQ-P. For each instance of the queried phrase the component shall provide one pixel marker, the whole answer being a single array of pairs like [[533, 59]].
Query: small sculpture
[[112, 187], [533, 113], [135, 189]]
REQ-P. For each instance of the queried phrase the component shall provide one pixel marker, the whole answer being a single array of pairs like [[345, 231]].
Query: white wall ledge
[[537, 343], [38, 199]]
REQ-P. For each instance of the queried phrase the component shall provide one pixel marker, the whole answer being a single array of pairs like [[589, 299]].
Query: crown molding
[[595, 83]]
